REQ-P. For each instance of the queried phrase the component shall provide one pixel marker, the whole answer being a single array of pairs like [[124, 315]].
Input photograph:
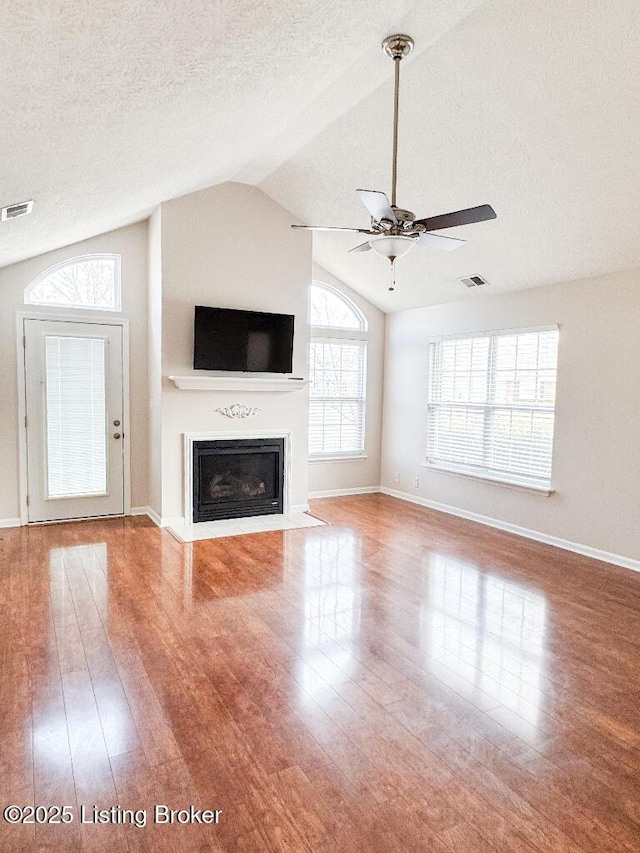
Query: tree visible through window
[[338, 369], [329, 309], [90, 281]]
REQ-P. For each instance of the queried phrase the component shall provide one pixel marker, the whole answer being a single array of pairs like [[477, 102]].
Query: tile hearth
[[240, 526]]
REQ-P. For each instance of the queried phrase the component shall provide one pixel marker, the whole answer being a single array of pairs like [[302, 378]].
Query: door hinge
[[27, 500]]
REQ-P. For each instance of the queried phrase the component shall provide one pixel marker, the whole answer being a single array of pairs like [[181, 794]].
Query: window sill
[[339, 458], [487, 478]]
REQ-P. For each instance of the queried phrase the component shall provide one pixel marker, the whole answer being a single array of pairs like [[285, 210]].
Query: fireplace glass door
[[237, 478]]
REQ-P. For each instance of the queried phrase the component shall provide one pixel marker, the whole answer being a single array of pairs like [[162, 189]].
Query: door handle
[[116, 435]]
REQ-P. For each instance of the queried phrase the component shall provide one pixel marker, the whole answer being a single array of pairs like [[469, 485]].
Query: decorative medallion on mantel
[[238, 410]]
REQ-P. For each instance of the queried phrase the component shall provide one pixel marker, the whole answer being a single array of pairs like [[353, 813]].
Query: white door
[[74, 404]]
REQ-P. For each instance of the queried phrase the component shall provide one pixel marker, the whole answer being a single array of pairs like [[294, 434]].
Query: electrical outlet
[[416, 482], [396, 477]]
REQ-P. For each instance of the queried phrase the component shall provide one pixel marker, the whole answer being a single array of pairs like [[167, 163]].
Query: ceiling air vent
[[12, 211], [474, 281]]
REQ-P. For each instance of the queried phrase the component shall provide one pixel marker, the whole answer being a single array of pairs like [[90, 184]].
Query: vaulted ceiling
[[109, 107]]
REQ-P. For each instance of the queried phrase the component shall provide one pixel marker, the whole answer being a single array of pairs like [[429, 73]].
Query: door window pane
[[75, 416]]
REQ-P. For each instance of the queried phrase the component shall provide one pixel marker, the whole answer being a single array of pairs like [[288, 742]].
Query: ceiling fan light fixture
[[392, 245]]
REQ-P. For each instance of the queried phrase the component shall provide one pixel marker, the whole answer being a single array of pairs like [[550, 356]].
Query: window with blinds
[[75, 416], [337, 370], [336, 405], [491, 405]]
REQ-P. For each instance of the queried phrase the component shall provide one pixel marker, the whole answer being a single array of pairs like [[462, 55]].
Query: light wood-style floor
[[398, 681]]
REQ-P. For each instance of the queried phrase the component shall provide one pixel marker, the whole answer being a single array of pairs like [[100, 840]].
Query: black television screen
[[226, 339]]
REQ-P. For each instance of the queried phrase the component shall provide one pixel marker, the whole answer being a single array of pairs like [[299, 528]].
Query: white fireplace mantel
[[195, 382]]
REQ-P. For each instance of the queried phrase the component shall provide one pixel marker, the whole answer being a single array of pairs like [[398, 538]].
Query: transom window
[[338, 371], [89, 281], [491, 405], [330, 309]]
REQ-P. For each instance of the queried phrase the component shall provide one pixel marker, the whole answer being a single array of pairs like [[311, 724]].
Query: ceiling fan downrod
[[397, 47]]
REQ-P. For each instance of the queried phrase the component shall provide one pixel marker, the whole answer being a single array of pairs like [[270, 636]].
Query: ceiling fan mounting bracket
[[397, 46]]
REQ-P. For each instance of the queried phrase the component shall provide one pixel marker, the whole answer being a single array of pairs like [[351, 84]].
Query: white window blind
[[76, 416], [491, 405], [338, 373], [337, 398]]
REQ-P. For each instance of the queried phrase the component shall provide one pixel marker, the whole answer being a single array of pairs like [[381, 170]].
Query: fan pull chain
[[393, 274]]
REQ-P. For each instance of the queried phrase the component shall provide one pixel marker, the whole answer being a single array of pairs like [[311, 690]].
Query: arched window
[[89, 281], [338, 372], [330, 309]]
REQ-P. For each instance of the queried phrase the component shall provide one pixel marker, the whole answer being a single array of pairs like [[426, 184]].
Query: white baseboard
[[334, 493], [153, 515], [135, 510], [146, 510], [536, 535]]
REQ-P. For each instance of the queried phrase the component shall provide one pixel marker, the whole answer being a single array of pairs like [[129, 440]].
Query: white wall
[[229, 246], [131, 243], [348, 474], [596, 459], [155, 362]]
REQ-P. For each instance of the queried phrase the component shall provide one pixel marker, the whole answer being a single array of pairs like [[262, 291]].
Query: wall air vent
[[474, 281], [13, 211]]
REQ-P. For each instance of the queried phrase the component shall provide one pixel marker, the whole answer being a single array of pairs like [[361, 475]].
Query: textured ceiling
[[531, 107], [110, 106]]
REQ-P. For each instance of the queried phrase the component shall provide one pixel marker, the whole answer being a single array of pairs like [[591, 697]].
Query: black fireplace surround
[[237, 477]]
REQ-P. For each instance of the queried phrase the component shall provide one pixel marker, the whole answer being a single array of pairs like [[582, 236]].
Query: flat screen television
[[249, 341]]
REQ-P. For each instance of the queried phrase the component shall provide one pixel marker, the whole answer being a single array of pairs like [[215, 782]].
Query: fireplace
[[237, 477]]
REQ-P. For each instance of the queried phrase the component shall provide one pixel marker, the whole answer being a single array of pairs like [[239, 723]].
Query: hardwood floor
[[398, 681]]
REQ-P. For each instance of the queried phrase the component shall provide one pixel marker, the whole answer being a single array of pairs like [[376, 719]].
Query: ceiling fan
[[394, 231]]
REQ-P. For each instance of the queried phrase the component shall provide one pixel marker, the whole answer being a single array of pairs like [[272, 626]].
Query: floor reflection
[[332, 603], [179, 573], [78, 704], [484, 635], [211, 569], [86, 564]]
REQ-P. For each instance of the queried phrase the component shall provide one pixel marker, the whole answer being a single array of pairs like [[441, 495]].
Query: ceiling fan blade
[[436, 241], [333, 228], [377, 204], [458, 217], [363, 247]]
